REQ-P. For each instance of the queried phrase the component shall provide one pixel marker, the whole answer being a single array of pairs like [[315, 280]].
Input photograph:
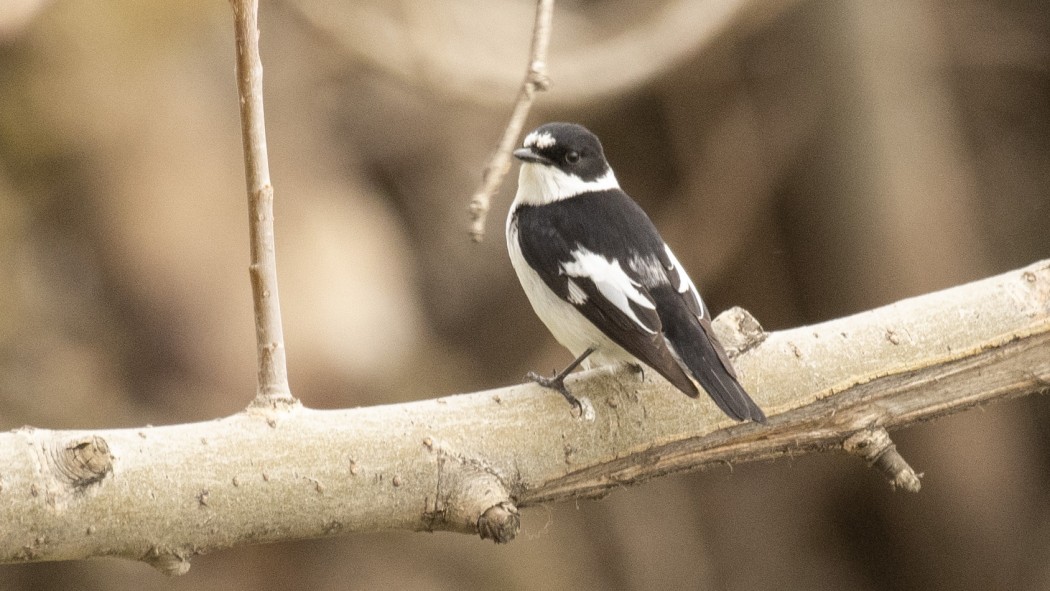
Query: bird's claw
[[557, 383]]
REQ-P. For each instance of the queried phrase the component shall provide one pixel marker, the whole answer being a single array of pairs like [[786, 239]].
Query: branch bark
[[269, 334], [535, 80], [466, 463]]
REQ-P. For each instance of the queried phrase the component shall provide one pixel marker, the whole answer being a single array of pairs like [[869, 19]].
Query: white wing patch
[[612, 282], [540, 140], [576, 294], [685, 284], [649, 270]]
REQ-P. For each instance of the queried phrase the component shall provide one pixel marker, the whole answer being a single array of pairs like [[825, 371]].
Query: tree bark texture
[[466, 463]]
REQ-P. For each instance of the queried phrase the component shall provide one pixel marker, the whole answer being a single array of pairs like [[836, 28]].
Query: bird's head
[[559, 161]]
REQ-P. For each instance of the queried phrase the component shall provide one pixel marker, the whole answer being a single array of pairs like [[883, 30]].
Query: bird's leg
[[558, 381]]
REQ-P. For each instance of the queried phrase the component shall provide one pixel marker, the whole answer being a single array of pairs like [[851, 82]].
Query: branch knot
[[499, 523], [876, 448], [83, 461], [738, 331], [471, 497]]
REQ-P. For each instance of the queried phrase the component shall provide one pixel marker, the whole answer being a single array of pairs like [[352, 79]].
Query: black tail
[[710, 370], [695, 344]]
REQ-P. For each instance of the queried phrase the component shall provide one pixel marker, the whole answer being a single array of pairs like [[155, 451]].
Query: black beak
[[527, 155]]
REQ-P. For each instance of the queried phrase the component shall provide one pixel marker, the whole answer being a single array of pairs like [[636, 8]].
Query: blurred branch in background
[[466, 463], [17, 14], [602, 54]]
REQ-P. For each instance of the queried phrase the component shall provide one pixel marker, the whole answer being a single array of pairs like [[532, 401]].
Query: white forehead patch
[[540, 140]]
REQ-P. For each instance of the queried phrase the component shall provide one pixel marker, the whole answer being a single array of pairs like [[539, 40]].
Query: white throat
[[539, 184]]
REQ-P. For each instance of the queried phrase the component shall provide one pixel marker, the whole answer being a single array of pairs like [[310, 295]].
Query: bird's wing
[[629, 284], [611, 295], [689, 295], [690, 334]]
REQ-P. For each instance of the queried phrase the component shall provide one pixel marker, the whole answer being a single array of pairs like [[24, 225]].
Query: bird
[[601, 278]]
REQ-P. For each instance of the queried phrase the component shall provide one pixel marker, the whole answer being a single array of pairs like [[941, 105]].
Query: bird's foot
[[557, 382]]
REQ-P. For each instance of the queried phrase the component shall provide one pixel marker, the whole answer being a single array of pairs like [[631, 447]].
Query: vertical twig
[[535, 80], [269, 335]]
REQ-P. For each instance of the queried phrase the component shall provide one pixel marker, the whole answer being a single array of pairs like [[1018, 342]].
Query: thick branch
[[466, 463], [535, 80], [269, 334]]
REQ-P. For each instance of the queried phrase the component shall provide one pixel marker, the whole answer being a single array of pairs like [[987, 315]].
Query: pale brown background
[[811, 159]]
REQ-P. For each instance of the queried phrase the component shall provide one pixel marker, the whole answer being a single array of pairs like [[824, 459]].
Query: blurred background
[[806, 159]]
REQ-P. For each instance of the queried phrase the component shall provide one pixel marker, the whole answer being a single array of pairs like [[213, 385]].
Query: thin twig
[[535, 80], [269, 334]]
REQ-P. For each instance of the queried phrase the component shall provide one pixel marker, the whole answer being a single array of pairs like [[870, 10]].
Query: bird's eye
[[572, 157]]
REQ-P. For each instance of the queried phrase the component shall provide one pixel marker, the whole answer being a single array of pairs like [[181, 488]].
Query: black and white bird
[[601, 278]]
